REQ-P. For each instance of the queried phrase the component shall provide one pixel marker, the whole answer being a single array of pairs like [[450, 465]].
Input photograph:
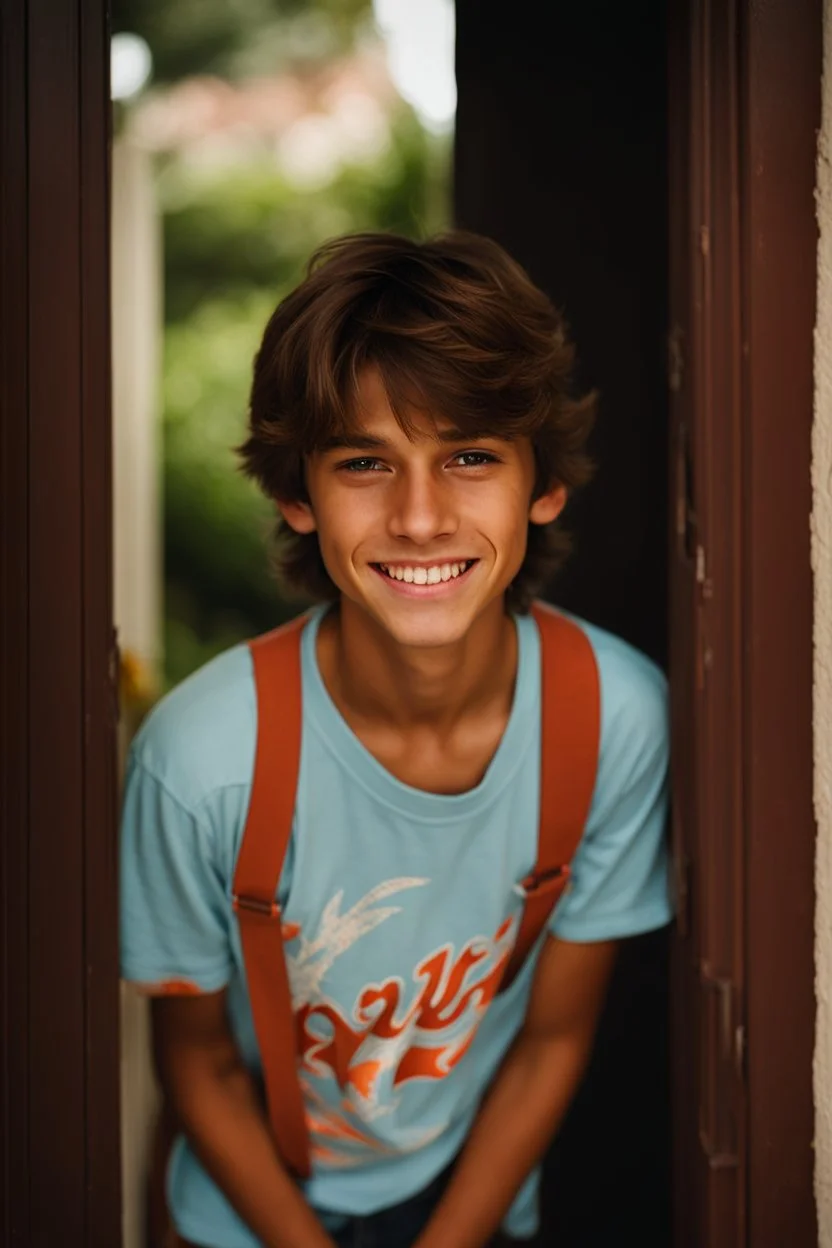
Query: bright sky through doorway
[[130, 65], [420, 51]]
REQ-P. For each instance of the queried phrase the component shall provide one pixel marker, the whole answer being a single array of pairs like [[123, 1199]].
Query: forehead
[[372, 420], [371, 399], [371, 412]]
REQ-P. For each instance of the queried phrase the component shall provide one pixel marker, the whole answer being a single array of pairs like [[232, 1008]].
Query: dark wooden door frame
[[746, 109], [59, 1074], [781, 75]]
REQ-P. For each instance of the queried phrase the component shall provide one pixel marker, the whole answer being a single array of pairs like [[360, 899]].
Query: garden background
[[272, 125]]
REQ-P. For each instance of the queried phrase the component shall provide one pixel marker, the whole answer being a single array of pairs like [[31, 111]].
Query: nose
[[422, 508]]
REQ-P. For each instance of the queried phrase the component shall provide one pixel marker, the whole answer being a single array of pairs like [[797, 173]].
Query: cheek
[[505, 511], [342, 522], [506, 523]]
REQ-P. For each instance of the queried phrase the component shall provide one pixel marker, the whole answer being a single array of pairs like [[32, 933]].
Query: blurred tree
[[234, 246], [248, 227], [240, 39], [237, 237]]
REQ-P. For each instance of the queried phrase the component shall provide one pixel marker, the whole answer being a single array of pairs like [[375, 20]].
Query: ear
[[298, 516], [547, 507]]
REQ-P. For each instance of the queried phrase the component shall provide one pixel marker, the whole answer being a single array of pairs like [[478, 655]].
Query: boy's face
[[422, 533]]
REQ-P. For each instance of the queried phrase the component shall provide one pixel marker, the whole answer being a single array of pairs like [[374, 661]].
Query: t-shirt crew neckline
[[323, 716]]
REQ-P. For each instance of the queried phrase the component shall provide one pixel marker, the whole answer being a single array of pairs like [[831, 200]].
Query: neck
[[375, 678]]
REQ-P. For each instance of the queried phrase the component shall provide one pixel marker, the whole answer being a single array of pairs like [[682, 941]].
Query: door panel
[[744, 110], [706, 580], [781, 76]]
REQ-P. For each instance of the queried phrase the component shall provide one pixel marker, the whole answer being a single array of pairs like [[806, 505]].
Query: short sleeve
[[619, 885], [174, 909]]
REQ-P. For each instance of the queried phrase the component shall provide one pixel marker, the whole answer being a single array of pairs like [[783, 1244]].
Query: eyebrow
[[359, 441]]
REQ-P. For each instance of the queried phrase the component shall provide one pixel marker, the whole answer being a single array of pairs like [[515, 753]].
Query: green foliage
[[235, 243], [236, 38], [249, 228], [236, 239], [218, 586], [215, 521]]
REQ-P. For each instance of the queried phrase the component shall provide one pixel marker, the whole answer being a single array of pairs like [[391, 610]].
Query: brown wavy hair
[[455, 328]]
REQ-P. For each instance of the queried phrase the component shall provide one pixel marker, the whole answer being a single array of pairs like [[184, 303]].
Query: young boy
[[411, 420]]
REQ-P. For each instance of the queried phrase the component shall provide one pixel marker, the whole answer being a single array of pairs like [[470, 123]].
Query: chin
[[427, 624], [426, 627]]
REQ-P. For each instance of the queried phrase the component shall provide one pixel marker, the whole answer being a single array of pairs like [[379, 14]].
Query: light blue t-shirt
[[399, 908]]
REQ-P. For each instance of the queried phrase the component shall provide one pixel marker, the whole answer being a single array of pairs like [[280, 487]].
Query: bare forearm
[[225, 1123], [518, 1118]]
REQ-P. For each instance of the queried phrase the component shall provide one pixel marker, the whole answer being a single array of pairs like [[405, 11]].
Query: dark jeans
[[401, 1225]]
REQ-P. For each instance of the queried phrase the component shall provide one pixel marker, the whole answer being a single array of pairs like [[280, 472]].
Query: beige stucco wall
[[136, 334], [822, 560]]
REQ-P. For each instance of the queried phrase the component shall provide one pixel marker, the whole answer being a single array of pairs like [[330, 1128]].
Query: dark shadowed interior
[[561, 155]]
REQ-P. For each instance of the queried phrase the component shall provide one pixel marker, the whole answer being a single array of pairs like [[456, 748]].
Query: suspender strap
[[277, 677], [570, 703], [570, 732]]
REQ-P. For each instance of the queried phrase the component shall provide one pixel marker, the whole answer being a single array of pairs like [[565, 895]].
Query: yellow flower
[[137, 687]]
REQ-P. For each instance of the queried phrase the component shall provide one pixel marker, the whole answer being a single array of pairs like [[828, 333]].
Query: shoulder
[[620, 871], [201, 736], [633, 690], [634, 709], [634, 694], [635, 729]]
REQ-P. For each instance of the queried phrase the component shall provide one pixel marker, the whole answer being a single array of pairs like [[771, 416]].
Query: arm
[[529, 1096], [216, 1104]]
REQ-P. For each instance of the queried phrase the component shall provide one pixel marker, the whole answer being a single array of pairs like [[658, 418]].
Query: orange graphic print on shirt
[[396, 1033]]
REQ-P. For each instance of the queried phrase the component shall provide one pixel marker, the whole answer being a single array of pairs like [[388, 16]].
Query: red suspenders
[[570, 732]]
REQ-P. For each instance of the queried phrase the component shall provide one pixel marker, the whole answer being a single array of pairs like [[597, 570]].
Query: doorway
[[59, 1166]]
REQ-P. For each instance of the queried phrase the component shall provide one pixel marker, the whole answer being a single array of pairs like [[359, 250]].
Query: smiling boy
[[410, 417]]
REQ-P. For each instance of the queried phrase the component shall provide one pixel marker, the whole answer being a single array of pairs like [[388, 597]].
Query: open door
[[704, 377], [743, 110]]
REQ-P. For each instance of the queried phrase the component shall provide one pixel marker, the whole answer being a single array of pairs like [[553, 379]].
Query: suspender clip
[[266, 909], [539, 882]]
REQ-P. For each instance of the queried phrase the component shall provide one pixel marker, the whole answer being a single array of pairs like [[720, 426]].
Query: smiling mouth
[[425, 574]]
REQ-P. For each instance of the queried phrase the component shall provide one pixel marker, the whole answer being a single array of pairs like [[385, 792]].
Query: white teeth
[[421, 575]]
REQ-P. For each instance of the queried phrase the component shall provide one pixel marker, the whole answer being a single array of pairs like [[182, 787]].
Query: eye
[[475, 459], [364, 464]]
